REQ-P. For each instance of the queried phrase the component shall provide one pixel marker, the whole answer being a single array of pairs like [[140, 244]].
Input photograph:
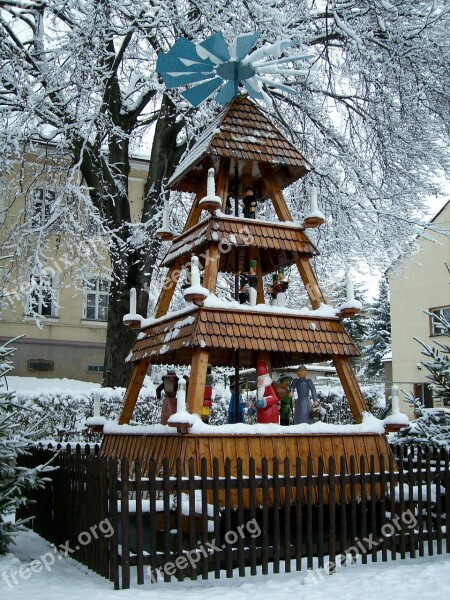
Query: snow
[[317, 214], [95, 421], [35, 383], [114, 427], [356, 304], [323, 311], [132, 317], [421, 578], [397, 418], [370, 424]]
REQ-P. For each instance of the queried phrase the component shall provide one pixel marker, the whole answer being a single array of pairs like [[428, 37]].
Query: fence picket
[[139, 523], [86, 488], [287, 516], [125, 522]]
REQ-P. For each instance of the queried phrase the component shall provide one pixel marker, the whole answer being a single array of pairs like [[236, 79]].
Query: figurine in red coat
[[267, 399]]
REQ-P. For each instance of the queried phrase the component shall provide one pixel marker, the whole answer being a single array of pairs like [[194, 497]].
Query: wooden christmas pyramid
[[243, 146]]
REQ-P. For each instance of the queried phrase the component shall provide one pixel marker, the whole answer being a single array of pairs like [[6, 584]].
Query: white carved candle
[[133, 301], [96, 404], [195, 272], [211, 184], [181, 396], [313, 200], [350, 288], [165, 223], [394, 400]]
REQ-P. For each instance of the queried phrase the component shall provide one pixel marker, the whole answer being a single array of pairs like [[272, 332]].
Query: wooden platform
[[222, 446]]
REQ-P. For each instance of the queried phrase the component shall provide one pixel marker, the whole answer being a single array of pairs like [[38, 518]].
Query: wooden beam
[[274, 190], [259, 281], [211, 267], [196, 210], [197, 381], [351, 387], [310, 281], [168, 289], [134, 387], [222, 181]]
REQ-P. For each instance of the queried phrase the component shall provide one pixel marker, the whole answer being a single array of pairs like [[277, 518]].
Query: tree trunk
[[131, 266]]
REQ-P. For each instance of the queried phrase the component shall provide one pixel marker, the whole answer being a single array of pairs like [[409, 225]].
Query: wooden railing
[[103, 513]]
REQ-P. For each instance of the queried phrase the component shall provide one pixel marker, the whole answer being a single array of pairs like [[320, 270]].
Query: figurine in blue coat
[[304, 387]]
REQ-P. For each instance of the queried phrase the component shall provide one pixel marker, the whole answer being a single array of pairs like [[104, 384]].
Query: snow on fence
[[165, 526]]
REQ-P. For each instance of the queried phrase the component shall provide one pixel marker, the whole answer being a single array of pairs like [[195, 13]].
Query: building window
[[40, 364], [42, 201], [96, 299], [95, 368], [43, 296], [423, 392], [437, 327]]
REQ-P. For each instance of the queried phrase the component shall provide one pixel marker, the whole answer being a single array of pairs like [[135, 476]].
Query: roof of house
[[279, 243], [290, 338], [241, 131]]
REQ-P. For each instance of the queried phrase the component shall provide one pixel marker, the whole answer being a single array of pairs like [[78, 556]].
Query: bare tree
[[371, 115]]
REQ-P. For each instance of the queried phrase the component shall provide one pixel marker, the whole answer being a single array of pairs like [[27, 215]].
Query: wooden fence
[[103, 513]]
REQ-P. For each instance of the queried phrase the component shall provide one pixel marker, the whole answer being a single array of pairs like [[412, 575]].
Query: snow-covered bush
[[431, 430], [63, 412], [15, 481], [336, 404]]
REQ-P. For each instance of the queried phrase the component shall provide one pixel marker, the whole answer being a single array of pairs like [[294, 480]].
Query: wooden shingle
[[287, 336], [241, 131], [248, 235]]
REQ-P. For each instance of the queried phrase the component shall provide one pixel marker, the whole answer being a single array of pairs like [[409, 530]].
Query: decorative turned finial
[[351, 307], [132, 319], [195, 292], [396, 420], [315, 217], [164, 233], [211, 202]]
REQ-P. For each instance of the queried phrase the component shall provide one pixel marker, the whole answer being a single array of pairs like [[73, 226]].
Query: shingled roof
[[241, 131], [290, 338], [279, 243]]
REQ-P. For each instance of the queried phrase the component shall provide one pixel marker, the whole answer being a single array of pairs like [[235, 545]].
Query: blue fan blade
[[252, 92], [184, 48], [198, 93], [172, 64], [217, 46], [183, 79], [244, 43], [227, 93]]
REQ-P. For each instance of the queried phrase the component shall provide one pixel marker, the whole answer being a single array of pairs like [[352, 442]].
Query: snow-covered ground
[[42, 383], [426, 578]]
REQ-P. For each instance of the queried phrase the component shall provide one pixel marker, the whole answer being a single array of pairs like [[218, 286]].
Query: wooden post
[[259, 277], [223, 177], [133, 389], [168, 289], [197, 381], [211, 267], [310, 281], [278, 201], [351, 387], [196, 210]]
